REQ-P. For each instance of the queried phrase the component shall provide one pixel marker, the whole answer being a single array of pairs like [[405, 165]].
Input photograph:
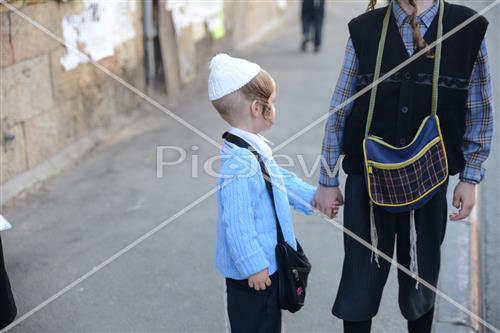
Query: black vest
[[404, 99]]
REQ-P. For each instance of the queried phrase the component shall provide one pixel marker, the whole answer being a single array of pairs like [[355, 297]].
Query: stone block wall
[[44, 108], [246, 17], [193, 46]]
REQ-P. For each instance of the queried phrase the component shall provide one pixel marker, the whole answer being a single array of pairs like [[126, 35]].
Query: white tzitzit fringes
[[413, 248], [373, 236]]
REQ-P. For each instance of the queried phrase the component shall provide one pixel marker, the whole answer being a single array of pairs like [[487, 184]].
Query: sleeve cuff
[[252, 263], [470, 181], [472, 174], [329, 181], [307, 195]]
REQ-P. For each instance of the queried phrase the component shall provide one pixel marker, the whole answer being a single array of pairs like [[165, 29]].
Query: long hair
[[418, 41]]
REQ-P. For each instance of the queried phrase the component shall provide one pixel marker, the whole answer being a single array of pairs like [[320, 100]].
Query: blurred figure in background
[[312, 23], [8, 309]]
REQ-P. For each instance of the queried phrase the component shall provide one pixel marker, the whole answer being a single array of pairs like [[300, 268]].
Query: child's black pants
[[362, 282], [253, 311]]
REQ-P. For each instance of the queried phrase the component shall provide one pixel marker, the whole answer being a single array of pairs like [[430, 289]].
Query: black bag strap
[[267, 178]]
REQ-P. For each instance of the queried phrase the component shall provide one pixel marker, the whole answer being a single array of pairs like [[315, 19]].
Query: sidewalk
[[112, 197]]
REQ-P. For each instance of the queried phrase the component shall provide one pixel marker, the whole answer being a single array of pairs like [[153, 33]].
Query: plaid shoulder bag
[[403, 179]]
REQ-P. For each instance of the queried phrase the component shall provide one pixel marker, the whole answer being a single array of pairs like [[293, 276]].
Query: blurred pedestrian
[[312, 23], [8, 309]]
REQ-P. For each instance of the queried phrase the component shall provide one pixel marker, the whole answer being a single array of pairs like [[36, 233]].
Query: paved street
[[112, 197]]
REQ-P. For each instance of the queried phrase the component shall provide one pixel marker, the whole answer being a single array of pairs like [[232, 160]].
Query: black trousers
[[7, 306], [253, 311], [420, 325], [312, 22], [362, 281]]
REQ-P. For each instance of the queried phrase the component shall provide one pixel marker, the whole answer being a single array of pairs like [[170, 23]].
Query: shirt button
[[404, 109], [402, 141], [407, 75]]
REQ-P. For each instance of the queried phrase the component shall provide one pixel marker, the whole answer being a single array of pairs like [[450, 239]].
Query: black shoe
[[317, 48], [303, 45]]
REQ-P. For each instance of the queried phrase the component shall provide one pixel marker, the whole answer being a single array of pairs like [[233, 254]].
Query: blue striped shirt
[[479, 108]]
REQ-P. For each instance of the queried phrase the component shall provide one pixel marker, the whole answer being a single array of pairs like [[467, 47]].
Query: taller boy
[[404, 99]]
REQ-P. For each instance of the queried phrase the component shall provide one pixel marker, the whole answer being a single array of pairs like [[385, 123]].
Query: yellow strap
[[437, 59], [378, 64]]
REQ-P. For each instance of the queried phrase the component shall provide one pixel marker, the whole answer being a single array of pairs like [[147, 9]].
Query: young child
[[244, 95]]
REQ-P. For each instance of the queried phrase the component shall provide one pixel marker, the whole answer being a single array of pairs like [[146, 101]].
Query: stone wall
[[44, 108], [187, 51], [247, 17]]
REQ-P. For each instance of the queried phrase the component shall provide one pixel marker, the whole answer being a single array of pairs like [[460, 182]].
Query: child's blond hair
[[260, 88]]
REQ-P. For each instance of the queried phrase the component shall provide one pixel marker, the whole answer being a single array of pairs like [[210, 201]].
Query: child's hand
[[260, 280], [328, 200], [464, 198], [335, 207]]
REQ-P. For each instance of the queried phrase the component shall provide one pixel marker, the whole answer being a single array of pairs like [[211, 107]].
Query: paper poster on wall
[[216, 25], [192, 21], [282, 4], [197, 14], [4, 224], [101, 27]]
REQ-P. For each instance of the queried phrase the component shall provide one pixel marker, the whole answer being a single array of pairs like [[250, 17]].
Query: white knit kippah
[[228, 74]]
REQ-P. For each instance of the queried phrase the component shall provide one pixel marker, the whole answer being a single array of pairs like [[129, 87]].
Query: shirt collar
[[257, 141], [425, 17]]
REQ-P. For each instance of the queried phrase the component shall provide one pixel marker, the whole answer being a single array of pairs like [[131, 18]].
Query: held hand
[[464, 198], [328, 200], [260, 280]]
